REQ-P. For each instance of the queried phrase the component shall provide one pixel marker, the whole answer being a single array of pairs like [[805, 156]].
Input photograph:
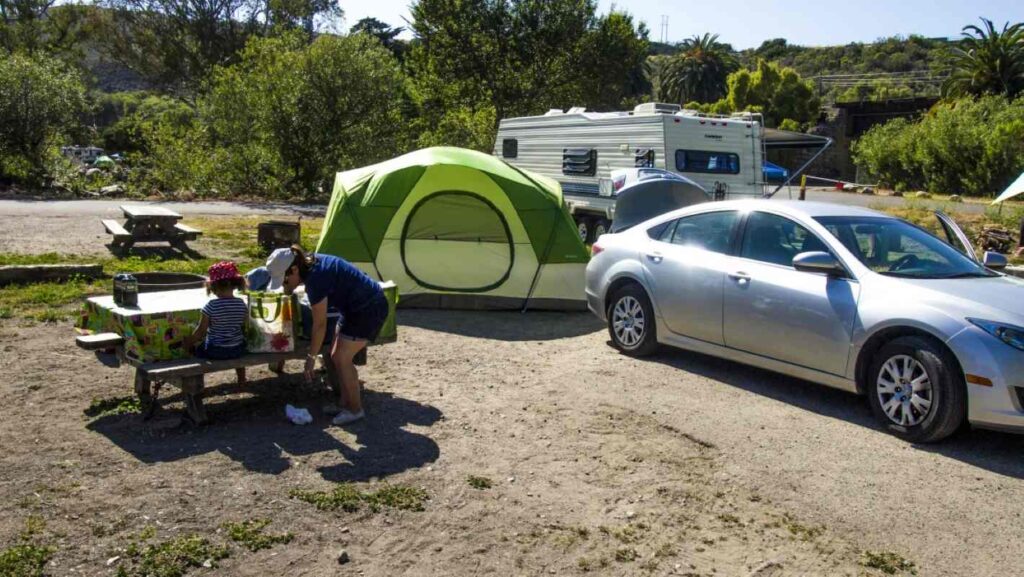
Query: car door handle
[[655, 257], [740, 277]]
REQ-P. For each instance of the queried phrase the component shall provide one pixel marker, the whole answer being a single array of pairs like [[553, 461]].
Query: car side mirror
[[994, 260], [819, 262]]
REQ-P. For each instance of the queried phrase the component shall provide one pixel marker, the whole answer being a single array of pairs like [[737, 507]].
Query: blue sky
[[746, 24]]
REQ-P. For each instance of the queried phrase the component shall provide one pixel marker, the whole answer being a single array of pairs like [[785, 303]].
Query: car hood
[[998, 298]]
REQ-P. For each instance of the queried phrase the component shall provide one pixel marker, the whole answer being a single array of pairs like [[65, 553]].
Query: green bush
[[41, 100], [966, 147]]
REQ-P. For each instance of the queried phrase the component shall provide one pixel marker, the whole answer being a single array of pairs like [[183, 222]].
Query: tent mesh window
[[510, 148], [579, 161], [457, 241]]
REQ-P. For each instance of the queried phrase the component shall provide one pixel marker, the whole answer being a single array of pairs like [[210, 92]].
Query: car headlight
[[1009, 334]]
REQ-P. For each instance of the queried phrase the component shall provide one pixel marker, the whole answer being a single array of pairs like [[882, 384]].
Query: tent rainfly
[[456, 228]]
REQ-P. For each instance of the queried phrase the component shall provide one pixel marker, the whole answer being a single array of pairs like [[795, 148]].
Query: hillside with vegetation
[[244, 98]]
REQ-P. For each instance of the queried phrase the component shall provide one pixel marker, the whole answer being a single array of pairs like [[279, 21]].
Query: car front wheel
[[916, 391], [631, 321]]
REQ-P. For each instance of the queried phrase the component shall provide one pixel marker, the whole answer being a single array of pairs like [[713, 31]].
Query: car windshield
[[895, 247]]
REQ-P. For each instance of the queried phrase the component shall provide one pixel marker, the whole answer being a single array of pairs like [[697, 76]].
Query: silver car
[[842, 296]]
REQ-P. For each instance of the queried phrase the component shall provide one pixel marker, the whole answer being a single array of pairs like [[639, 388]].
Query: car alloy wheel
[[904, 390], [628, 321]]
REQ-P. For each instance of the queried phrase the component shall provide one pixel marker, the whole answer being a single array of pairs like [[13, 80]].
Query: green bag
[[273, 322]]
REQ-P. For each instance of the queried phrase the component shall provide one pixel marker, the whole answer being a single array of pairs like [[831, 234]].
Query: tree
[[175, 44], [987, 61], [699, 71], [476, 59], [38, 26], [387, 35], [41, 100], [611, 57], [289, 115], [778, 93]]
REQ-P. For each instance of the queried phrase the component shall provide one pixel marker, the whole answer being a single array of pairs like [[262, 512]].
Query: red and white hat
[[225, 270]]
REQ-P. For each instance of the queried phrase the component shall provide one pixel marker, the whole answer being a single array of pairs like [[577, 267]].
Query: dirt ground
[[600, 464]]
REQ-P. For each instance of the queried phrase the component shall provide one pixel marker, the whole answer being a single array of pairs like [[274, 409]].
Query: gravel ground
[[601, 464]]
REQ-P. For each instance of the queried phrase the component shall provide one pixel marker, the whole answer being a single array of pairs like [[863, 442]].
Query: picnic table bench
[[188, 374], [149, 224]]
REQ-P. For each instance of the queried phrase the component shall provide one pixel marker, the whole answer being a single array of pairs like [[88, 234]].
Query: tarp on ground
[[456, 228]]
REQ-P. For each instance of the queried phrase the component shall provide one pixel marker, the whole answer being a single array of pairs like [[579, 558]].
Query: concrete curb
[[47, 272]]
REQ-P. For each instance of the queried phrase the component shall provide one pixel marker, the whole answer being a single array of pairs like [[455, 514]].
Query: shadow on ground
[[254, 432], [503, 325], [994, 451]]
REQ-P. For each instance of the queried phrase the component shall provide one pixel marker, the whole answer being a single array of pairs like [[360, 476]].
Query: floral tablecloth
[[152, 331]]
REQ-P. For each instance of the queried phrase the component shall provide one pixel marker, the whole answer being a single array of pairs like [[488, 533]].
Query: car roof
[[793, 207]]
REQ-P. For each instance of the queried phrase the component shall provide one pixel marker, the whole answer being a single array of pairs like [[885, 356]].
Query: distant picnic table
[[150, 224]]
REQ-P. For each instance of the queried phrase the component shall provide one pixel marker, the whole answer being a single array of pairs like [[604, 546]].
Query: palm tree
[[987, 61], [698, 72]]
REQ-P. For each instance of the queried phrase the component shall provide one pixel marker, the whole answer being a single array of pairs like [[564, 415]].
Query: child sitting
[[220, 334]]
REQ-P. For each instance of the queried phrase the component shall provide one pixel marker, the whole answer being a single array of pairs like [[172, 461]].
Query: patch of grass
[[801, 531], [251, 536], [18, 259], [34, 527], [6, 313], [113, 406], [887, 562], [584, 564], [396, 497], [626, 555], [627, 533], [348, 498], [479, 482], [665, 550], [173, 558], [25, 560]]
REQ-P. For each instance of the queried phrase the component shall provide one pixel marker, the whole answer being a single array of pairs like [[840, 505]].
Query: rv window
[[579, 161], [509, 148], [643, 158], [707, 162]]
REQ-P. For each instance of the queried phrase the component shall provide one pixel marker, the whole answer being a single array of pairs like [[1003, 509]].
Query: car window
[[897, 248], [776, 240], [710, 231], [662, 232]]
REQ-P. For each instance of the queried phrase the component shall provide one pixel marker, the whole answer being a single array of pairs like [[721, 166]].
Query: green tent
[[456, 228]]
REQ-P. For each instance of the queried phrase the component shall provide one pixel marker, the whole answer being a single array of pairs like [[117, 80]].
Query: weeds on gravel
[[25, 560], [887, 562], [250, 535], [626, 555], [348, 498], [28, 557], [802, 532], [479, 482], [173, 558], [113, 406]]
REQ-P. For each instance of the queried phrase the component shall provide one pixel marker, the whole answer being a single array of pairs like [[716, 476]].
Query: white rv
[[580, 150]]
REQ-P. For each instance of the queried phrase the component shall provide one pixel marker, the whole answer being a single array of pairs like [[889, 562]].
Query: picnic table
[[149, 337], [149, 224]]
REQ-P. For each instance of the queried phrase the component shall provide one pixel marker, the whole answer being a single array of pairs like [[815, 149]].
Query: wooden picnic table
[[149, 338], [149, 224]]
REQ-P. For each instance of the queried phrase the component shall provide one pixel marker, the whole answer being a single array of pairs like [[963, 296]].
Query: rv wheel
[[583, 228], [601, 226]]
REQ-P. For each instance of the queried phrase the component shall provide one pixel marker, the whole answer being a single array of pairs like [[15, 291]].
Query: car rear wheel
[[916, 391], [631, 321]]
